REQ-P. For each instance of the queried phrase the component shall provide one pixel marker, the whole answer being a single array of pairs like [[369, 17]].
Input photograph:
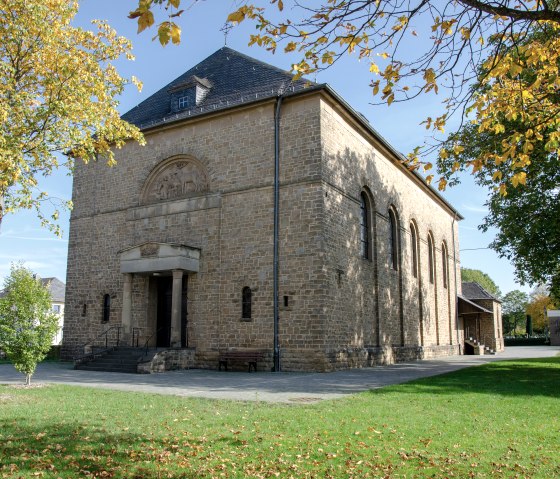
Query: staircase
[[478, 348], [117, 360]]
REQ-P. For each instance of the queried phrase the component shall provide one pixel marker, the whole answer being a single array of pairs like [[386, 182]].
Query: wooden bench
[[236, 355]]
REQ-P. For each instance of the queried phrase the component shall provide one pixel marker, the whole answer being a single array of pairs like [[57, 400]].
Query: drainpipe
[[455, 276], [276, 224]]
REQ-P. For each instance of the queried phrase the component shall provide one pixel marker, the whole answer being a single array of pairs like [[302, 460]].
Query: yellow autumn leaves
[[167, 30], [58, 90]]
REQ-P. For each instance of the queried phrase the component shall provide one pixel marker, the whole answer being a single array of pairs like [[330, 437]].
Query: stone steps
[[122, 360]]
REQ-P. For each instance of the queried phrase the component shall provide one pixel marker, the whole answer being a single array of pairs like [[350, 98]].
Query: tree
[[527, 218], [27, 322], [58, 89], [477, 276], [539, 303], [452, 41], [513, 307]]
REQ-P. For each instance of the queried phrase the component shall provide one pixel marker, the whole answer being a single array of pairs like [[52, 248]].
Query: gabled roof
[[473, 291], [233, 79], [56, 287]]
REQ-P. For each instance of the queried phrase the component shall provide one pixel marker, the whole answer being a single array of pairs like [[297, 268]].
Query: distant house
[[57, 289], [554, 324], [481, 315]]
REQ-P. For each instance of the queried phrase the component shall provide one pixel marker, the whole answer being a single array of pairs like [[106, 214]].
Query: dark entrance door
[[164, 301], [164, 294]]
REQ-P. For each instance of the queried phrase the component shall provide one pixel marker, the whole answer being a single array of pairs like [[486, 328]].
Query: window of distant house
[[56, 308], [393, 241], [365, 230], [431, 257], [246, 306], [106, 308], [444, 264], [414, 249], [183, 102]]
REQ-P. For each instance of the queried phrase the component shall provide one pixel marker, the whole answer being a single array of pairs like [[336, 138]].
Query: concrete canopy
[[158, 257]]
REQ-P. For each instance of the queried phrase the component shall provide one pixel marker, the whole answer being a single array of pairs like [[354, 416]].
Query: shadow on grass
[[529, 377], [77, 449]]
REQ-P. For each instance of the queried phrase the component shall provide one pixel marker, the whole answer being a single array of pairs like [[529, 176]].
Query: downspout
[[276, 224], [455, 278]]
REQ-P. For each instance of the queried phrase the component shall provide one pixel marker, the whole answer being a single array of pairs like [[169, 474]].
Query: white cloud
[[474, 208]]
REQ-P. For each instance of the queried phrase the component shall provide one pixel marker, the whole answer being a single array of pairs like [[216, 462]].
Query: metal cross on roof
[[226, 29]]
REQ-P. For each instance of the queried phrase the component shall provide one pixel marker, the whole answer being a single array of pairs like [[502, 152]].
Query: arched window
[[106, 308], [246, 302], [444, 264], [414, 249], [393, 240], [365, 227], [431, 257]]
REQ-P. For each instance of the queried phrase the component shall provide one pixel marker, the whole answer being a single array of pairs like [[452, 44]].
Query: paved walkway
[[261, 386]]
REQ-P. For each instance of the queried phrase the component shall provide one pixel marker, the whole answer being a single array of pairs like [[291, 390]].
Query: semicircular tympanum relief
[[175, 179]]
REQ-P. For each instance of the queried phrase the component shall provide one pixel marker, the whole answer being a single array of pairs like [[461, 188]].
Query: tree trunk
[[28, 379]]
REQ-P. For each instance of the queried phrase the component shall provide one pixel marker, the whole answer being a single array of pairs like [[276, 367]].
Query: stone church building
[[263, 214]]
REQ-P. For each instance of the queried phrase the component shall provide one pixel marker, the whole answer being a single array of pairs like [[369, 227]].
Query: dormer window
[[183, 102], [189, 94]]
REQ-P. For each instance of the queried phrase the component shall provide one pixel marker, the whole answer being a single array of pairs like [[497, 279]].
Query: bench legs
[[224, 362]]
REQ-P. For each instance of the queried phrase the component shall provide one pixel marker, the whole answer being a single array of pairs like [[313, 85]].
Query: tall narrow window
[[247, 299], [431, 257], [414, 249], [106, 308], [393, 241], [365, 235], [444, 264]]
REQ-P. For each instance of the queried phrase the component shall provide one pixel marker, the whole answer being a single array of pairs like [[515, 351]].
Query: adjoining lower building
[[264, 214], [481, 315]]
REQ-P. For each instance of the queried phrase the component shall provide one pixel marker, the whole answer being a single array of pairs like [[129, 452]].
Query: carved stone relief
[[149, 249], [179, 179]]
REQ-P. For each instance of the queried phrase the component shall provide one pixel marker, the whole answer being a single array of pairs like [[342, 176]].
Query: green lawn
[[499, 420]]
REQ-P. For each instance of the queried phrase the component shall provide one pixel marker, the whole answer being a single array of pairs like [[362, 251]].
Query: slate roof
[[473, 290], [235, 79], [56, 287]]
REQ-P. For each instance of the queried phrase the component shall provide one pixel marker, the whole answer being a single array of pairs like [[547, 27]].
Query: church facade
[[262, 214]]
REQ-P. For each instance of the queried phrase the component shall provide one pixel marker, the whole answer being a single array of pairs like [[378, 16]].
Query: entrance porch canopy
[[157, 257], [466, 306]]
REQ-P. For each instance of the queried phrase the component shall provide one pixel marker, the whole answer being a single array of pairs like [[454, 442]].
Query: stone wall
[[370, 303], [336, 309], [167, 360]]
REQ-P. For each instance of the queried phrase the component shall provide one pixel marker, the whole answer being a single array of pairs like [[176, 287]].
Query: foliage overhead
[[452, 41], [527, 218], [27, 322], [477, 276], [58, 89]]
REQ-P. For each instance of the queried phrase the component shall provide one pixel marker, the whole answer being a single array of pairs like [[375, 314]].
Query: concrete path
[[291, 388]]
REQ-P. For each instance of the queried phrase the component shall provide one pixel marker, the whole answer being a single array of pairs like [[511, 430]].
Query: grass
[[499, 420]]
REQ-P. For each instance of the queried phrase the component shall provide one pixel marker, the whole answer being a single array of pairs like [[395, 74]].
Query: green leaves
[[27, 323], [58, 89]]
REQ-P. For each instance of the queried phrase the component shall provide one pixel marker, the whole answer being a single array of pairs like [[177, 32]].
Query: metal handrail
[[106, 334], [146, 344], [136, 336]]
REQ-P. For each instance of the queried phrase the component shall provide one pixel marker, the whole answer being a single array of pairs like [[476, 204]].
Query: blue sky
[[22, 238]]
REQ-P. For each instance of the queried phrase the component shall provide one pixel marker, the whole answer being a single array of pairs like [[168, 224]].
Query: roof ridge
[[261, 62]]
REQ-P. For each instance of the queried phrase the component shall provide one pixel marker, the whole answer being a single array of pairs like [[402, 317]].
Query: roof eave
[[398, 156]]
